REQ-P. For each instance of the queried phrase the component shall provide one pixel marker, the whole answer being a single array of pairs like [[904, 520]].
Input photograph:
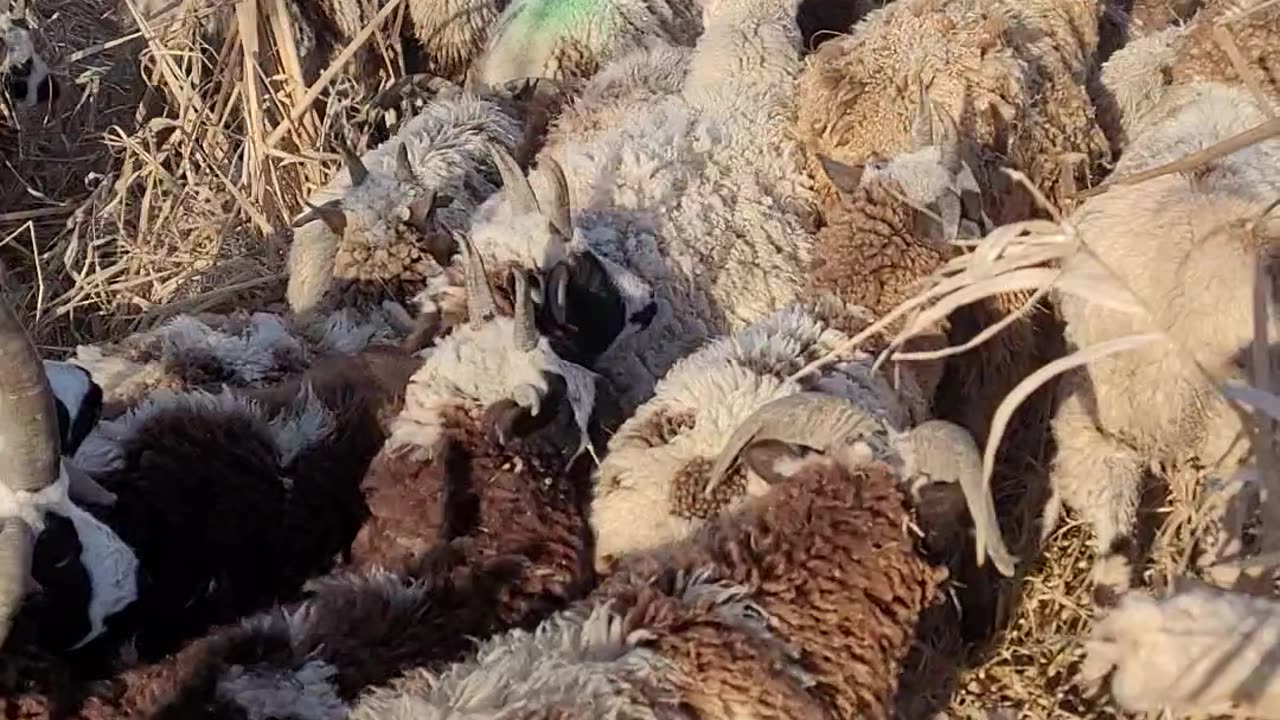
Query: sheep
[[1005, 82], [1197, 652], [389, 219], [238, 349], [1187, 247], [503, 460], [1134, 78], [488, 534], [532, 39], [309, 660], [222, 504], [688, 220], [660, 479], [803, 603], [27, 82]]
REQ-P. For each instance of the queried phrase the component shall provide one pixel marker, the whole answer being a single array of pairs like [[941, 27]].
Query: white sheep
[[1187, 246], [391, 215], [700, 196]]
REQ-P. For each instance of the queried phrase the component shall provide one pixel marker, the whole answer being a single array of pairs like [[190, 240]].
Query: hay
[[158, 185]]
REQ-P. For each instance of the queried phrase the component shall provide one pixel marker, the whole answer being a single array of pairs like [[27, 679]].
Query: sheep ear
[[404, 167], [355, 166], [439, 241], [507, 420], [330, 213], [845, 178], [775, 461], [971, 200], [939, 221]]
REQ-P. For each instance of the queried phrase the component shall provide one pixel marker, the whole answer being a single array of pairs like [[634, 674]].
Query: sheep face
[[27, 81], [496, 370], [591, 303], [651, 488], [390, 234]]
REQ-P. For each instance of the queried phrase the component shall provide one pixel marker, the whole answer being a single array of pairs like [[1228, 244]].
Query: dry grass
[[162, 182], [161, 186]]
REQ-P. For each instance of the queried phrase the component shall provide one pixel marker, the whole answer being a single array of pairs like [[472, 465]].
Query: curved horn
[[946, 452], [949, 143], [29, 453], [404, 168], [519, 191], [558, 292], [480, 302], [922, 125], [557, 211], [804, 419], [355, 166], [526, 333]]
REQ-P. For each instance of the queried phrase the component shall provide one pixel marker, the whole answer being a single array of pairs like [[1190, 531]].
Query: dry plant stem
[[282, 26], [330, 72], [247, 18], [1240, 141], [1246, 73]]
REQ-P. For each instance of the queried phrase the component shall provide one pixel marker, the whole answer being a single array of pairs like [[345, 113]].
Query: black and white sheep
[[222, 504], [25, 75]]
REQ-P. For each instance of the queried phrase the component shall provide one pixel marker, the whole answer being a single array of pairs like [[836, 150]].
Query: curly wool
[[649, 489], [803, 604]]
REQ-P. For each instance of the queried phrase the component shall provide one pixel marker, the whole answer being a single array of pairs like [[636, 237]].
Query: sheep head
[[387, 225], [652, 486], [933, 178], [589, 302], [781, 437], [496, 369], [27, 81]]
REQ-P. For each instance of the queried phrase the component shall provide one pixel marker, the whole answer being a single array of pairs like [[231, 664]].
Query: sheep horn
[[946, 452], [480, 302], [922, 126], [355, 166], [558, 292], [30, 458], [558, 203], [404, 168], [330, 213], [519, 192], [807, 419], [949, 143], [526, 333]]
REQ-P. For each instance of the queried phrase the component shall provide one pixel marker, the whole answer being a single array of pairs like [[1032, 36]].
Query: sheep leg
[[1101, 480], [84, 489]]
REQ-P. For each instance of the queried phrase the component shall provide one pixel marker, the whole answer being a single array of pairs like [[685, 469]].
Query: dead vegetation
[[163, 182]]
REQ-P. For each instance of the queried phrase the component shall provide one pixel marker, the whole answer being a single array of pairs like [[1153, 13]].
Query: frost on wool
[[1187, 246], [573, 40], [649, 489], [417, 188]]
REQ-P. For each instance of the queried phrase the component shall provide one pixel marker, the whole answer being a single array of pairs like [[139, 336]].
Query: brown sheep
[[801, 605]]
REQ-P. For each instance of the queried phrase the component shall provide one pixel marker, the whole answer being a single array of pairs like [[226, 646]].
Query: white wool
[[111, 564], [305, 693], [579, 658], [477, 366], [1200, 651]]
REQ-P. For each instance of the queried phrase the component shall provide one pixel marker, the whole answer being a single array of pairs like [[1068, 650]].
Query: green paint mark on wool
[[550, 15]]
